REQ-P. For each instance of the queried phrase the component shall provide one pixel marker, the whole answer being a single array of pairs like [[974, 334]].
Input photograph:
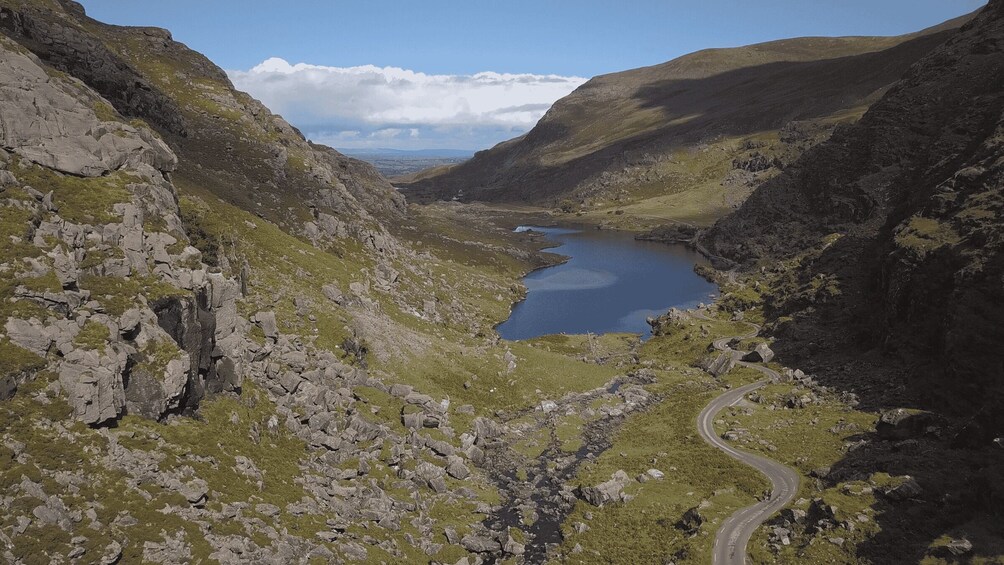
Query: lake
[[610, 284]]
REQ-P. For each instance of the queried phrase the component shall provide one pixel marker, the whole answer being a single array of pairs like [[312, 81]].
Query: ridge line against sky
[[446, 74]]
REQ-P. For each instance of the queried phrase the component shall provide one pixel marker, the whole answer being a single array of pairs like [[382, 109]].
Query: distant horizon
[[440, 75], [436, 152]]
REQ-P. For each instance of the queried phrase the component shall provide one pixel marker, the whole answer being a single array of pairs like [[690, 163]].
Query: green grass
[[156, 355], [569, 433], [93, 336], [923, 235], [105, 112], [213, 435], [95, 257], [443, 371], [14, 223], [116, 294], [16, 361], [77, 451], [80, 200], [665, 437], [45, 283]]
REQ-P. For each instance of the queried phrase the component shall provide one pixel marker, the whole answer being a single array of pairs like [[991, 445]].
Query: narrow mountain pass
[[735, 532]]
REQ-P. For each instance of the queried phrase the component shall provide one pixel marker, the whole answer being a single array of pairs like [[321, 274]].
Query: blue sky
[[527, 46]]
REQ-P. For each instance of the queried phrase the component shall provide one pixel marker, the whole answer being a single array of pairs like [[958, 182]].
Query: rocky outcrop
[[227, 141], [70, 138], [77, 53], [157, 356], [718, 364], [93, 384], [606, 492], [691, 521], [51, 120]]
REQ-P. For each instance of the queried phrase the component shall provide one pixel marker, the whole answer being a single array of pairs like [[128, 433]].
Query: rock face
[[152, 394], [581, 149], [912, 195], [71, 138], [63, 45], [50, 122], [93, 384]]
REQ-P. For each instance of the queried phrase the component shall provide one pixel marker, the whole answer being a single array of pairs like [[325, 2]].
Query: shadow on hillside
[[958, 467], [962, 496], [734, 103], [765, 97]]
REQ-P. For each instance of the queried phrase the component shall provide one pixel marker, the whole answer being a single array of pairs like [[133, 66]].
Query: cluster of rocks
[[198, 316], [666, 323], [900, 424], [320, 400], [756, 162]]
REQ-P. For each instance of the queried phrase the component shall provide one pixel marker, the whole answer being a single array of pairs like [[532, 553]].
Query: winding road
[[735, 532]]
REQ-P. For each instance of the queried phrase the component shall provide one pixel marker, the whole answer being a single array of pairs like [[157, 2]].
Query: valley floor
[[453, 445]]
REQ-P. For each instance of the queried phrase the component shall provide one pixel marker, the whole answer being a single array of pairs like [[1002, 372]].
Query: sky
[[466, 74]]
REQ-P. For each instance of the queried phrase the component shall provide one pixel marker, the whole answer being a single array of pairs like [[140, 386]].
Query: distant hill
[[401, 165], [688, 140], [409, 153]]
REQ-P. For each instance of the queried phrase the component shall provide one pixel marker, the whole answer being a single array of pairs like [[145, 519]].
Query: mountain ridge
[[660, 142]]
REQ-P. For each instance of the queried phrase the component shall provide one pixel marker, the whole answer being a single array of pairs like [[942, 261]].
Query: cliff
[[890, 232]]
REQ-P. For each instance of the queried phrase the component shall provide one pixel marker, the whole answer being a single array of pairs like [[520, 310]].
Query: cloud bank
[[370, 107]]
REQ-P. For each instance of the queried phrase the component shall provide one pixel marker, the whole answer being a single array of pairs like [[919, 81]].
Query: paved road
[[734, 534]]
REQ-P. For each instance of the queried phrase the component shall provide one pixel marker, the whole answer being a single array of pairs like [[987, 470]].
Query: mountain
[[227, 142], [895, 224], [685, 141]]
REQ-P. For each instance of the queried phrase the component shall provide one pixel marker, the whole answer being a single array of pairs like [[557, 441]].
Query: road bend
[[735, 532]]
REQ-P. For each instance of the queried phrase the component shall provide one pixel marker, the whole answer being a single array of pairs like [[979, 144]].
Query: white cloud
[[363, 106]]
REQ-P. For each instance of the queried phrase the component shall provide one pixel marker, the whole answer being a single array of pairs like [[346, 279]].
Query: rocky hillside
[[228, 143], [220, 343], [890, 233], [686, 140]]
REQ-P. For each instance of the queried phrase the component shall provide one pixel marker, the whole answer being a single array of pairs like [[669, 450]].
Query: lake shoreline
[[600, 268]]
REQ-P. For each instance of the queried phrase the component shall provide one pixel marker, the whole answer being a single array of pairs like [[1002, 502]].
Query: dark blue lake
[[611, 283]]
